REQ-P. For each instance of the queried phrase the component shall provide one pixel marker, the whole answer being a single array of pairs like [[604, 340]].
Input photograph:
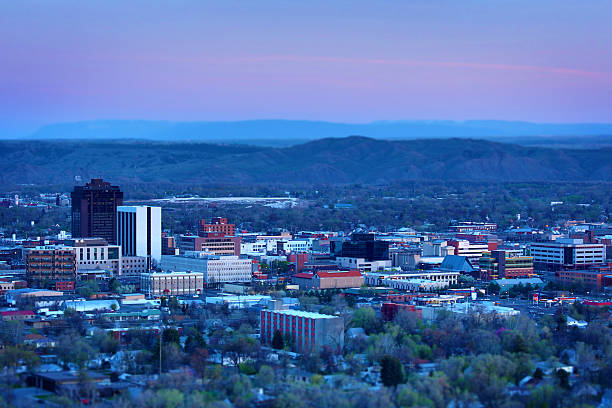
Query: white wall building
[[377, 279], [567, 252], [414, 284], [171, 283], [139, 231], [472, 251], [96, 254], [361, 264], [295, 245], [254, 248], [215, 268]]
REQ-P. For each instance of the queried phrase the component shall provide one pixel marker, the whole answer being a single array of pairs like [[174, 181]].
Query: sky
[[335, 60]]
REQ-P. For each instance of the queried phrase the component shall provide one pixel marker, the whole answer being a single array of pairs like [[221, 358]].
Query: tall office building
[[139, 231], [94, 210], [362, 245]]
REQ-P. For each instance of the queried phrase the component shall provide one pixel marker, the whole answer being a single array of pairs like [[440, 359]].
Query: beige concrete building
[[171, 283]]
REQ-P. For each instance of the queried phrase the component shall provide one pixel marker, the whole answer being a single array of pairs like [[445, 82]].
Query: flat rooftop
[[301, 313]]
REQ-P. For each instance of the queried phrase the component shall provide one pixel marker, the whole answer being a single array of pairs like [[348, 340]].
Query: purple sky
[[354, 61]]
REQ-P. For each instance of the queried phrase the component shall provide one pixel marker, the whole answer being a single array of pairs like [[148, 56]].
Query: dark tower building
[[365, 246], [94, 210]]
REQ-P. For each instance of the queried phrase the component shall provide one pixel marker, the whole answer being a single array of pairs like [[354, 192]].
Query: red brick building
[[45, 266], [216, 242], [299, 260], [390, 310], [597, 277], [329, 280], [217, 224]]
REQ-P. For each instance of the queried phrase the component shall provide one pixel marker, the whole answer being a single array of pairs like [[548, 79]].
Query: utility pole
[[160, 350]]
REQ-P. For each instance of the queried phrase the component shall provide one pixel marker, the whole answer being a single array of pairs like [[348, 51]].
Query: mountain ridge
[[353, 159], [271, 131]]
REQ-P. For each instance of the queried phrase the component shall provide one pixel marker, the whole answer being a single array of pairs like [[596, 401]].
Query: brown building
[[213, 242], [329, 280], [94, 210], [594, 277], [217, 224], [45, 266], [168, 245]]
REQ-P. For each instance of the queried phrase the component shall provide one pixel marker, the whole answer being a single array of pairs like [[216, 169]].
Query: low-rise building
[[506, 284], [171, 283], [446, 277], [414, 284], [361, 264], [466, 226], [595, 277], [15, 296], [329, 280], [7, 284], [215, 269], [81, 305], [505, 264], [306, 331], [17, 315]]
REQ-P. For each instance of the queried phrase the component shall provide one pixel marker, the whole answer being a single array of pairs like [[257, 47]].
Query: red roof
[[303, 275], [339, 274], [17, 313], [34, 336]]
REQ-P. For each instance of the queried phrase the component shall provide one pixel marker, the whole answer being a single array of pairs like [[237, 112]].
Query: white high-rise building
[[139, 231]]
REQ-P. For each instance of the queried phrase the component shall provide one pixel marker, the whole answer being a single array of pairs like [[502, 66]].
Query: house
[[39, 341], [17, 315]]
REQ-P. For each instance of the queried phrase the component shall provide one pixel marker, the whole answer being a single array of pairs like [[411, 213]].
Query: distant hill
[[279, 132], [329, 161]]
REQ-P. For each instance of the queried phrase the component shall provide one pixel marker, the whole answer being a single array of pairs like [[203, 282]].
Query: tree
[[88, 289], [11, 357], [391, 371], [168, 398], [104, 342], [277, 340], [114, 285], [197, 361], [494, 288], [365, 317], [194, 341], [173, 303], [171, 335], [265, 376], [538, 374], [11, 332], [73, 349]]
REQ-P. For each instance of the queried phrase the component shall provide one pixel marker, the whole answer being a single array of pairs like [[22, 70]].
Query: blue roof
[[457, 263]]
